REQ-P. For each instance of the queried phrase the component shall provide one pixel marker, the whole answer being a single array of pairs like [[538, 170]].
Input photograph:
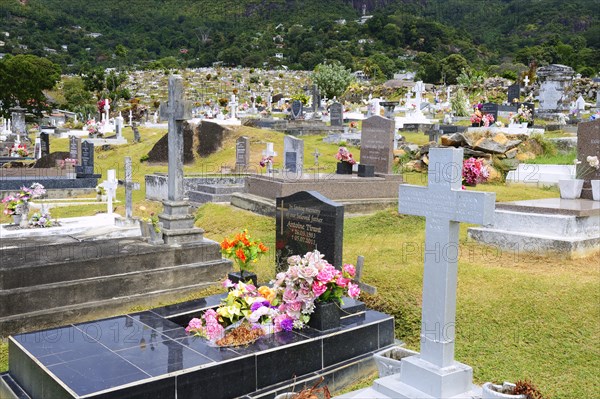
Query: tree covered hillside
[[433, 37]]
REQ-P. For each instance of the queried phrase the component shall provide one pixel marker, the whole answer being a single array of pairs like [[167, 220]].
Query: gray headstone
[[377, 143], [588, 145], [242, 152], [75, 148], [444, 205], [297, 109], [136, 133], [555, 82], [45, 143], [18, 125], [514, 92], [293, 150], [307, 221], [336, 114]]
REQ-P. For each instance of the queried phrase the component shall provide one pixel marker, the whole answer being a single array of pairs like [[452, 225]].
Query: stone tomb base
[[148, 354], [568, 228], [332, 186]]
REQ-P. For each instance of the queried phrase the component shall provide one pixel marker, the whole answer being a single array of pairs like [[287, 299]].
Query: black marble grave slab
[[149, 355]]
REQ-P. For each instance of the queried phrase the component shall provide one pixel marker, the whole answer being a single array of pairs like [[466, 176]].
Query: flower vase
[[156, 237], [244, 277], [17, 219], [325, 317], [493, 391], [344, 168], [524, 125], [570, 188], [595, 189]]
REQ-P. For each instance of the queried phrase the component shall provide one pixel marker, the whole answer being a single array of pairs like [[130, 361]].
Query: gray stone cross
[[316, 154], [175, 111], [364, 287], [130, 185], [444, 204]]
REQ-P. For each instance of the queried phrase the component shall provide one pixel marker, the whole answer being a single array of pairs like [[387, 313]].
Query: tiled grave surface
[[148, 354]]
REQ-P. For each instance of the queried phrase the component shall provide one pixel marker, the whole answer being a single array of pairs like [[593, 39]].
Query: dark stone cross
[[175, 111]]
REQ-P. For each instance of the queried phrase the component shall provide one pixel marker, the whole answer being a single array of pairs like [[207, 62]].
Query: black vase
[[325, 317], [247, 277], [344, 168]]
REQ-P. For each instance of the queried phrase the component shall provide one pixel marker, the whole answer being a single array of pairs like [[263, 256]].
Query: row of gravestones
[[377, 145]]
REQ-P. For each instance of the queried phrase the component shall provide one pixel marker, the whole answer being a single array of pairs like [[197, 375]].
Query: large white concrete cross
[[444, 205]]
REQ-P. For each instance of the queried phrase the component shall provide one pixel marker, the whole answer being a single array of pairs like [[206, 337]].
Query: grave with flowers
[[249, 342]]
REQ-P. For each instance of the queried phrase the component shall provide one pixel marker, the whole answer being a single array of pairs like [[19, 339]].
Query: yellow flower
[[267, 293]]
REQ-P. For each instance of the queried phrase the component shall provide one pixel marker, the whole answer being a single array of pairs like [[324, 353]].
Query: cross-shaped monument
[[364, 287], [526, 80], [316, 154], [178, 224], [130, 185], [434, 372], [110, 185]]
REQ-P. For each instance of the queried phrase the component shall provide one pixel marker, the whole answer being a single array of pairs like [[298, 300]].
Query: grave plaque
[[588, 145], [377, 143], [490, 108], [514, 93], [297, 109], [336, 114], [293, 154], [75, 149], [242, 153], [86, 167], [45, 143], [307, 221]]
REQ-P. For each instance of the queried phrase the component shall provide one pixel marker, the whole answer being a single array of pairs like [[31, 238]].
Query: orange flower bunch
[[243, 250]]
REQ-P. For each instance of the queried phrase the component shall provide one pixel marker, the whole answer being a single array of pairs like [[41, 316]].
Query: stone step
[[197, 197], [30, 299], [82, 312], [546, 224], [526, 242], [220, 188], [68, 261]]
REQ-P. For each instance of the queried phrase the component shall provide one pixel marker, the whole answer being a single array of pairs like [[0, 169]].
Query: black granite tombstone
[[531, 108], [45, 143], [490, 108], [307, 221], [86, 168], [297, 109], [514, 93]]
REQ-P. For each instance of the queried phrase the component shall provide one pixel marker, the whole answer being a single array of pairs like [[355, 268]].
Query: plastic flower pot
[[494, 391], [17, 218], [246, 277], [570, 188], [596, 190]]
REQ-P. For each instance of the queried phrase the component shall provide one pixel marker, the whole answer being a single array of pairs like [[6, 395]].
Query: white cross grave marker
[[110, 185], [526, 80], [444, 204]]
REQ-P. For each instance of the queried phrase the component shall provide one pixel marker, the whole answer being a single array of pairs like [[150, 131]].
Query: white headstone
[[526, 81], [434, 372], [580, 103], [419, 89]]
